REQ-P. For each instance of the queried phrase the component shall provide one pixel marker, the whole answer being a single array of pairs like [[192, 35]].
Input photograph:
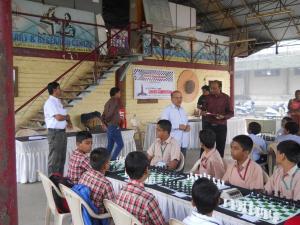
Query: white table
[[173, 207], [33, 155], [195, 124]]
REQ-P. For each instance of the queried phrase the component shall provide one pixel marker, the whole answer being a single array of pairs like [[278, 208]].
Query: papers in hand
[[37, 138], [180, 194]]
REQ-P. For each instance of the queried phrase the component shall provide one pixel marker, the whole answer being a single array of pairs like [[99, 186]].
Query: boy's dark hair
[[52, 86], [82, 135], [165, 125], [205, 195], [136, 164], [292, 127], [254, 128], [244, 141], [205, 88], [208, 138], [291, 149], [114, 91], [98, 157], [287, 119]]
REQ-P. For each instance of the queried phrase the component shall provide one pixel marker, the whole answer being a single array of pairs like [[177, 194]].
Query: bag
[[93, 121], [61, 203]]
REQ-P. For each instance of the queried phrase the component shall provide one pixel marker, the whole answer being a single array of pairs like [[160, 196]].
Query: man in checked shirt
[[94, 178], [80, 161], [133, 196]]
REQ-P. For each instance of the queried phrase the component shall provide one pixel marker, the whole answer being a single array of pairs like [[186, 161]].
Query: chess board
[[265, 208], [116, 165], [158, 176], [185, 185]]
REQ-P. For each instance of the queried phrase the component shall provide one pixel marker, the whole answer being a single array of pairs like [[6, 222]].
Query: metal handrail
[[72, 67]]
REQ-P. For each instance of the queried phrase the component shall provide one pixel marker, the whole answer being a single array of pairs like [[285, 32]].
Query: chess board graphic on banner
[[153, 84]]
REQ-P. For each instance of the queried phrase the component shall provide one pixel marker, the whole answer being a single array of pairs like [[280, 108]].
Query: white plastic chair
[[59, 218], [175, 222], [181, 163], [75, 203], [120, 216]]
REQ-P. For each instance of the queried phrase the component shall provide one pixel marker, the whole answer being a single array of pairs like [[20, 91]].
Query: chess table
[[176, 204]]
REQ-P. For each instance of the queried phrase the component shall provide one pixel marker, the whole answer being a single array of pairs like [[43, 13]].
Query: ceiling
[[264, 22]]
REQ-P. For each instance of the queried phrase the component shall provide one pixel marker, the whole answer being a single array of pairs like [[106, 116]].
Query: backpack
[[61, 203]]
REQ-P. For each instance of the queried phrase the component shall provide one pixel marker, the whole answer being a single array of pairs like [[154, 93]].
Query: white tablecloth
[[196, 126], [33, 155], [173, 207]]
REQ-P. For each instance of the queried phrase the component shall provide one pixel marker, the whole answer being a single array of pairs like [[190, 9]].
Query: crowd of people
[[87, 167]]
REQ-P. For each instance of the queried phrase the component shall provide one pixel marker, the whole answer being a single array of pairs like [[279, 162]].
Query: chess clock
[[232, 193]]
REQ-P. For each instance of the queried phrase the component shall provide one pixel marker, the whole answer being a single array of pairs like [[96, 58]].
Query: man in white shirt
[[179, 120], [56, 119]]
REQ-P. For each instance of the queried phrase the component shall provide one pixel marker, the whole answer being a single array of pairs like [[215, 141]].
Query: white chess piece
[[208, 176], [275, 217], [266, 214], [225, 203], [257, 212], [240, 206], [250, 211], [232, 205], [223, 183], [200, 175], [204, 175], [244, 211]]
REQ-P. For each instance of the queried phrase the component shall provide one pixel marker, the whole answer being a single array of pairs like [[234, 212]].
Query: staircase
[[75, 92]]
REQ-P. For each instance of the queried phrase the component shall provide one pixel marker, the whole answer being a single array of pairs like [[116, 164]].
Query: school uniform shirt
[[198, 219], [52, 107], [287, 183], [259, 142], [78, 164], [249, 175], [290, 137], [164, 151], [211, 163], [100, 187], [142, 204], [177, 115]]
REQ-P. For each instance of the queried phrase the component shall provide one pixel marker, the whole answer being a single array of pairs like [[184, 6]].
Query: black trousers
[[221, 133]]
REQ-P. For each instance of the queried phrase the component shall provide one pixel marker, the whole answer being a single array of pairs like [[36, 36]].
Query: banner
[[153, 84], [48, 32]]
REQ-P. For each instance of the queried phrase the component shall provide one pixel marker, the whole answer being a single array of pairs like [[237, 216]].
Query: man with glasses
[[179, 120]]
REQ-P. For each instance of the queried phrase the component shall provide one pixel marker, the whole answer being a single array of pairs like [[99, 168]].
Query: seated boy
[[210, 161], [290, 133], [79, 161], [94, 178], [165, 151], [283, 122], [260, 150], [285, 180], [243, 172], [205, 197], [133, 197]]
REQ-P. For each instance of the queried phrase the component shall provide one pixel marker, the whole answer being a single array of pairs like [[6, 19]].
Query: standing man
[[216, 111], [111, 116], [57, 120], [201, 100], [179, 120]]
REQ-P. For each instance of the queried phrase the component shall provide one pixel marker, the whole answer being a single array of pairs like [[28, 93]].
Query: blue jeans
[[114, 136]]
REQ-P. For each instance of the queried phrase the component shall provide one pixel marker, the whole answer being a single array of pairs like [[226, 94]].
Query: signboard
[[48, 32], [153, 84]]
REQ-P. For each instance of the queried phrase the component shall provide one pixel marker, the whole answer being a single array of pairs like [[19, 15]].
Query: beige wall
[[151, 112], [34, 74]]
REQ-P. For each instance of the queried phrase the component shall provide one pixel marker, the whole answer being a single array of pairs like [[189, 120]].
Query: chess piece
[[225, 203], [240, 206], [266, 214], [250, 211], [244, 210], [257, 212], [232, 205], [275, 217], [223, 183]]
